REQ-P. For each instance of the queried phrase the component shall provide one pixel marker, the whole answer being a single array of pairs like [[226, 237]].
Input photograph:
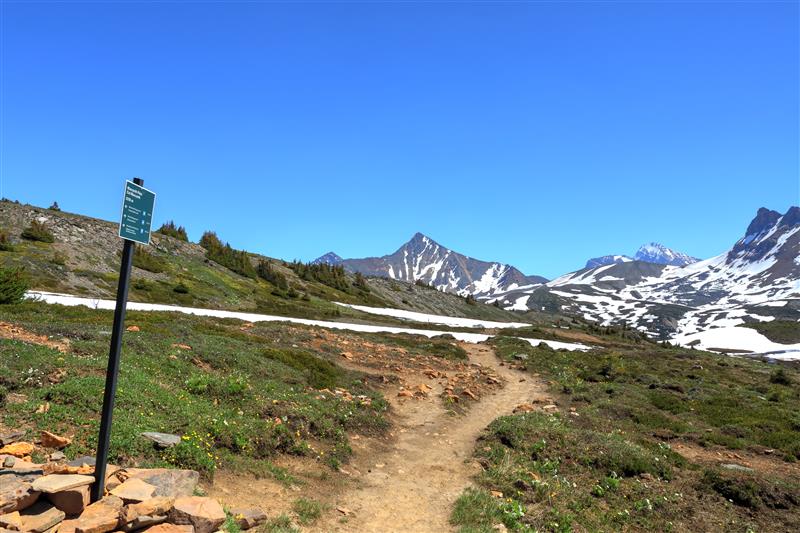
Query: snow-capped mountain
[[652, 253], [756, 279], [658, 253], [329, 259], [423, 259], [607, 260]]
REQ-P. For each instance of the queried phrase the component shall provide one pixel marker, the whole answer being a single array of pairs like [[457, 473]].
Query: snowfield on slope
[[96, 303], [736, 338], [435, 319]]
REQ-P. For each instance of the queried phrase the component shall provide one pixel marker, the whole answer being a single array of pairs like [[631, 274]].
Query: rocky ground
[[54, 496]]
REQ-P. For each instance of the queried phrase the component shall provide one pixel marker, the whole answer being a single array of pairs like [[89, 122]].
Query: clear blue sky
[[537, 134]]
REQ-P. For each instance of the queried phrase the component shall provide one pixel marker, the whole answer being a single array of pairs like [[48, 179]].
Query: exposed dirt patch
[[410, 481], [577, 336], [17, 333], [763, 463]]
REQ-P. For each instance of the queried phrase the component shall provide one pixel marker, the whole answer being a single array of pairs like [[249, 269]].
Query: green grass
[[611, 466], [307, 510], [237, 399], [783, 331]]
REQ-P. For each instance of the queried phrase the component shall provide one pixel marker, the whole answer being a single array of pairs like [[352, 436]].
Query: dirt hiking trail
[[411, 484]]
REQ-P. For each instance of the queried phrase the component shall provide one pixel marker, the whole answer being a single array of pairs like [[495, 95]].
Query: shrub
[[170, 229], [266, 272], [360, 282], [5, 242], [13, 284], [333, 276], [235, 260], [180, 288], [148, 261], [59, 259], [37, 231], [780, 377], [54, 207]]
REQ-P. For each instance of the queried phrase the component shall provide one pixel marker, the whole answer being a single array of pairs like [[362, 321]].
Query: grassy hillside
[[241, 395], [83, 259], [607, 461]]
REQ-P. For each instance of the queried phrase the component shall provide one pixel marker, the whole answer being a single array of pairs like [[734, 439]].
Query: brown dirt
[[575, 336], [763, 463], [410, 482], [17, 333]]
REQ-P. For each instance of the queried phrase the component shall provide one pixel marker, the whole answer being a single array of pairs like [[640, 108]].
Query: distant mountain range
[[658, 291], [423, 259], [651, 253], [757, 279]]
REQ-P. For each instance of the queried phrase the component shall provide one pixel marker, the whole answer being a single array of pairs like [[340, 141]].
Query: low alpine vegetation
[[37, 231]]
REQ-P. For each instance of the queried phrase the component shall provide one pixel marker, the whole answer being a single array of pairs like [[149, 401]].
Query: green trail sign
[[137, 213]]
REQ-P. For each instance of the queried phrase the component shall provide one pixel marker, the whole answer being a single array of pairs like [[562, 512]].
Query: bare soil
[[411, 482]]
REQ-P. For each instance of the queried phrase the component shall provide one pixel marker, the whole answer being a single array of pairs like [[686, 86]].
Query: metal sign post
[[137, 217]]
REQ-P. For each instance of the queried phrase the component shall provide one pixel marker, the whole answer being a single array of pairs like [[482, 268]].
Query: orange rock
[[205, 514], [181, 346], [171, 528], [100, 517], [467, 392], [51, 440], [132, 328], [17, 449], [405, 394], [523, 408]]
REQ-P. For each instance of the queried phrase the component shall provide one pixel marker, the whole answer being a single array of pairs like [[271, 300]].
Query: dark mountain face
[[606, 260], [423, 259], [329, 259]]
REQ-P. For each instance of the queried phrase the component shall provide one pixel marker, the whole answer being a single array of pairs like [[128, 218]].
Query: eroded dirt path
[[410, 483]]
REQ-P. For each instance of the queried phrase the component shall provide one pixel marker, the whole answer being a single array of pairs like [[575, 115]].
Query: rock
[[550, 407], [57, 456], [40, 517], [248, 518], [152, 507], [12, 521], [17, 449], [467, 392], [496, 493], [82, 461], [133, 328], [141, 522], [171, 528], [100, 517], [501, 528], [405, 394], [205, 514], [60, 482], [740, 468], [168, 482], [72, 501], [523, 408], [15, 494], [521, 356], [162, 440], [134, 490], [9, 461], [11, 436], [51, 440]]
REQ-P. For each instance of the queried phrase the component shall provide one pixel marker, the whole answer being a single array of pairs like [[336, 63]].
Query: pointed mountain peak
[[654, 252], [792, 217], [765, 219], [330, 258]]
